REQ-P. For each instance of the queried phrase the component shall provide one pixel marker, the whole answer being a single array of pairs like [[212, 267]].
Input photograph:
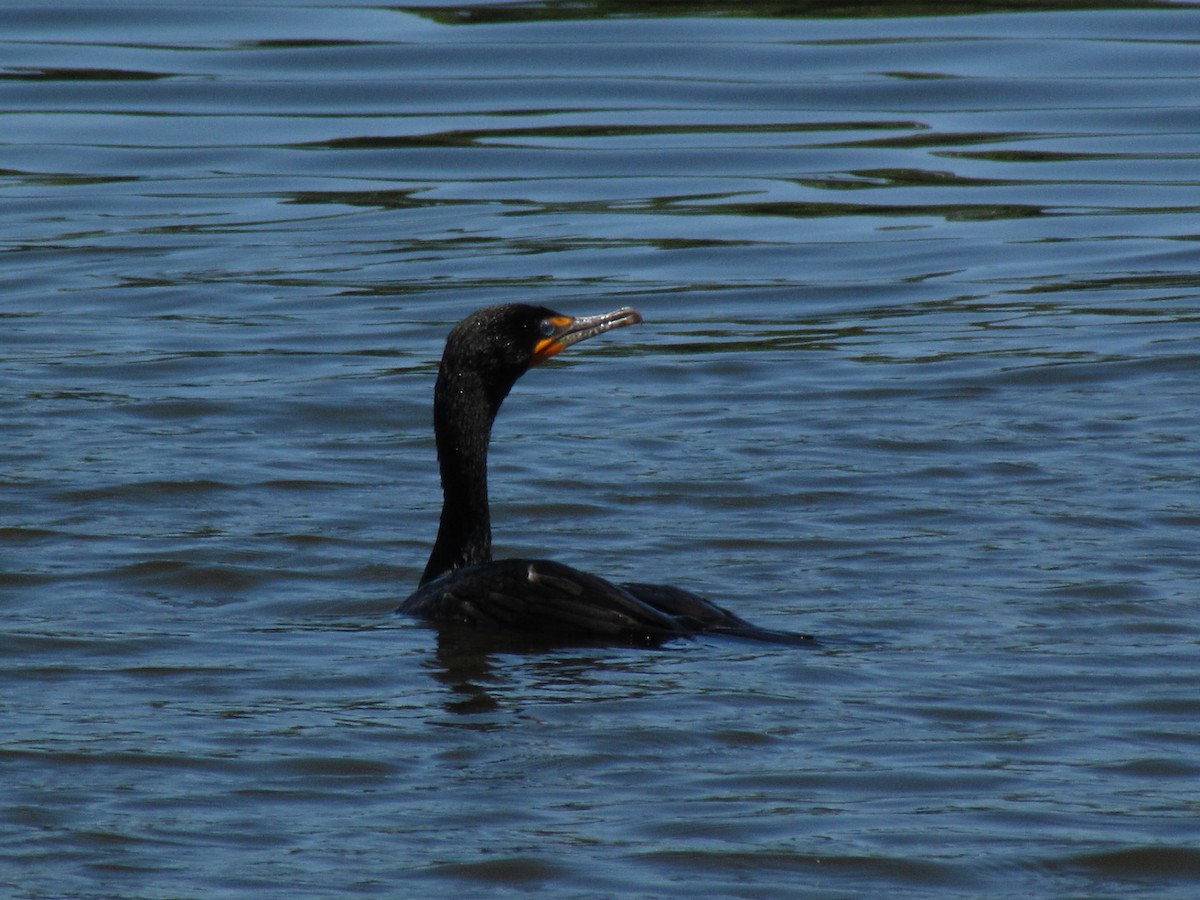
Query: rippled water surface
[[918, 374]]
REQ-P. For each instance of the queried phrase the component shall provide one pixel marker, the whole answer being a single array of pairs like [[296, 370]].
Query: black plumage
[[462, 585]]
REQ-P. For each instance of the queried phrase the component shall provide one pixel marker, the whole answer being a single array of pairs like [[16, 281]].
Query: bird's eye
[[546, 328]]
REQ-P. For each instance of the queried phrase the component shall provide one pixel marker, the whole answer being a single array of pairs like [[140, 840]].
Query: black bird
[[462, 585]]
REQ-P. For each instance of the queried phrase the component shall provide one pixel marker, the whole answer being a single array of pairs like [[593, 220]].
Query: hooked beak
[[568, 330]]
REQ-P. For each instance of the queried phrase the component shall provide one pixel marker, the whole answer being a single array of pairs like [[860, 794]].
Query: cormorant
[[462, 585]]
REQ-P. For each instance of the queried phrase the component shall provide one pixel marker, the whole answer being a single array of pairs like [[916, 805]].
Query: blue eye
[[546, 328]]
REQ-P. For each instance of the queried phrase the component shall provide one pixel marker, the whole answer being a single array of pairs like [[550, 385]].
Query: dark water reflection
[[917, 375]]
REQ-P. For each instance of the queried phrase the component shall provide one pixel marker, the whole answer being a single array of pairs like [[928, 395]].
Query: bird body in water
[[462, 585]]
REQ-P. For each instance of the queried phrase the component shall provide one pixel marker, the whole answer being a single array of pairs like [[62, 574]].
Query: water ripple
[[916, 374]]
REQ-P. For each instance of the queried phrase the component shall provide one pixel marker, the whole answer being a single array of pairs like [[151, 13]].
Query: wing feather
[[548, 598]]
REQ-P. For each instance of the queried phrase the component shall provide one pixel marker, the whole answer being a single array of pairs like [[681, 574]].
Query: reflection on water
[[917, 374]]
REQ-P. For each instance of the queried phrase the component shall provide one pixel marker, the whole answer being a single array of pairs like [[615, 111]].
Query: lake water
[[918, 374]]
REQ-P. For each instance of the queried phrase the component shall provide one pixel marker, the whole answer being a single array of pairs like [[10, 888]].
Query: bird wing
[[699, 616], [541, 596]]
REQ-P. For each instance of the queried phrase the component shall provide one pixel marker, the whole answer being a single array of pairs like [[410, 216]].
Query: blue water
[[918, 374]]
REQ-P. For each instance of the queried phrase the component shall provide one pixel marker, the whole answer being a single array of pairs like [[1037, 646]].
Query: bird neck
[[464, 407]]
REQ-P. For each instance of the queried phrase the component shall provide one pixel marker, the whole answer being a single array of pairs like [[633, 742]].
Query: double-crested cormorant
[[462, 585]]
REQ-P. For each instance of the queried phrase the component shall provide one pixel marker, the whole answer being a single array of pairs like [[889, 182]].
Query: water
[[917, 374]]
